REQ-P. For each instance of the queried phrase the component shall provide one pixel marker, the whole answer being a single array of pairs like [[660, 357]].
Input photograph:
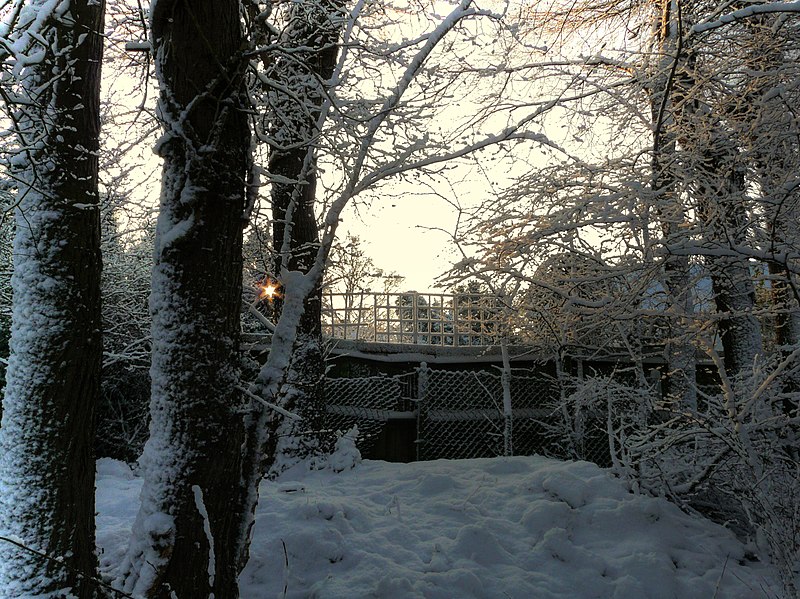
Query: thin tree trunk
[[718, 182], [185, 537], [679, 380], [313, 31], [303, 387], [732, 282], [293, 376], [53, 378]]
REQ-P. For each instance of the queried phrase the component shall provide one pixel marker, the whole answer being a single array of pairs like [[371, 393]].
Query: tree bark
[[53, 378], [679, 383], [770, 130], [722, 189], [311, 34], [184, 538], [717, 175]]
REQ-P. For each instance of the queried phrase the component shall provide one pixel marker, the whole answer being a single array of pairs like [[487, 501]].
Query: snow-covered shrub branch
[[735, 459]]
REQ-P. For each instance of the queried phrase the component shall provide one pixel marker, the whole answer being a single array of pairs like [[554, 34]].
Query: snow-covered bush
[[595, 417], [345, 455], [736, 460]]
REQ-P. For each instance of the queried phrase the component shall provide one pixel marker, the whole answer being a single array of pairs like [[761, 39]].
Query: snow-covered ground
[[522, 527]]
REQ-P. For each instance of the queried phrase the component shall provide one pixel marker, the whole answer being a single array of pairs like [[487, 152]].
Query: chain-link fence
[[367, 403], [460, 414]]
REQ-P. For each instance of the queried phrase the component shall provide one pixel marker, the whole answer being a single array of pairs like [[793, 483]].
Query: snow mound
[[117, 501], [522, 527], [108, 468], [345, 455]]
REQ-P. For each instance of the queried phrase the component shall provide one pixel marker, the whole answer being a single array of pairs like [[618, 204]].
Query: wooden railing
[[416, 318], [474, 320]]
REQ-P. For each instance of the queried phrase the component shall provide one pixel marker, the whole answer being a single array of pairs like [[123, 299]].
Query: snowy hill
[[522, 527]]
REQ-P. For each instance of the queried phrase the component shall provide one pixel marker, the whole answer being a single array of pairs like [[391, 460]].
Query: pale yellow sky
[[397, 237]]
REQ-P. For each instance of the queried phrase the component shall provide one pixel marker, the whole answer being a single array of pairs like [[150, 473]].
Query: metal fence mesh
[[364, 402], [460, 414]]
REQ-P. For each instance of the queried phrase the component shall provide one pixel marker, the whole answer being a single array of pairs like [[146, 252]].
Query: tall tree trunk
[[184, 538], [722, 189], [769, 126], [53, 377], [718, 181], [679, 381], [311, 35]]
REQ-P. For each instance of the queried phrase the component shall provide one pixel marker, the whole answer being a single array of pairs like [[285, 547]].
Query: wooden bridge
[[469, 327], [468, 322]]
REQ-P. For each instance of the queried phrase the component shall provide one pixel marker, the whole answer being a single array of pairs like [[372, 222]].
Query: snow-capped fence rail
[[413, 318]]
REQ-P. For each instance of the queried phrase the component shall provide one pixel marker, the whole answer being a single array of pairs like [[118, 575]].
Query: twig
[[271, 406], [286, 569], [721, 574]]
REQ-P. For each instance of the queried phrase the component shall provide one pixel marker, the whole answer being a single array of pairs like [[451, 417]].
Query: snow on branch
[[747, 12], [271, 406], [462, 11], [23, 31]]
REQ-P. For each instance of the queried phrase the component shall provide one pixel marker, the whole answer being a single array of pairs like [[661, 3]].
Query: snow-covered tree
[[51, 54], [689, 185], [294, 80], [184, 538], [663, 164], [368, 129], [6, 268]]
